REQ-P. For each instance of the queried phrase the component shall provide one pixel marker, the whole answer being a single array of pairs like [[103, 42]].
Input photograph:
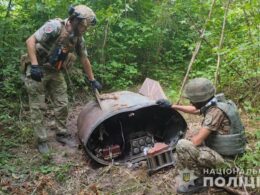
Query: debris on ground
[[69, 171]]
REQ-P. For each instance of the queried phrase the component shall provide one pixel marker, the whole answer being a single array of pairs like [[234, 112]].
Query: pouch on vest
[[69, 61], [41, 54], [58, 57]]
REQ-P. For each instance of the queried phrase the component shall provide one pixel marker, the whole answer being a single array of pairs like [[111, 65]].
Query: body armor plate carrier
[[233, 143]]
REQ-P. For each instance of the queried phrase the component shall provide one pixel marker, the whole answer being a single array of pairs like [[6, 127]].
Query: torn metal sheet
[[152, 89]]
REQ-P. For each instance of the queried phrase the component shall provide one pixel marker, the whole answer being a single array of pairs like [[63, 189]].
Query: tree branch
[[197, 48], [8, 9], [104, 43], [196, 27], [217, 76]]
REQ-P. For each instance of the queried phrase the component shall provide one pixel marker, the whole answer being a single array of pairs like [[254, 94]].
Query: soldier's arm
[[30, 43], [44, 33], [87, 68], [81, 50], [186, 109], [201, 136]]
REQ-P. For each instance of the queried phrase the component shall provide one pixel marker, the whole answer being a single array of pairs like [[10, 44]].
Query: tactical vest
[[233, 143], [56, 49]]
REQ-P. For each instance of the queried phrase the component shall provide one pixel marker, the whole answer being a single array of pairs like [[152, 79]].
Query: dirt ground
[[70, 171]]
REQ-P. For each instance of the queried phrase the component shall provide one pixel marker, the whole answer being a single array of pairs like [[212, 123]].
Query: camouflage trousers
[[196, 158], [53, 84]]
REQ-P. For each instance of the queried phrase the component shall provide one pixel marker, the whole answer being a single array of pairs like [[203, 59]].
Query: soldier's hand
[[95, 85], [163, 103], [36, 73]]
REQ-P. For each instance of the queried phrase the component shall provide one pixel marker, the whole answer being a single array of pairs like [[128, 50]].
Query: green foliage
[[146, 39], [26, 134], [250, 160], [133, 40], [117, 75], [5, 163], [60, 171]]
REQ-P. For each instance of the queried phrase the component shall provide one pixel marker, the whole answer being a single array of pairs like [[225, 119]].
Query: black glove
[[95, 85], [36, 73], [163, 103]]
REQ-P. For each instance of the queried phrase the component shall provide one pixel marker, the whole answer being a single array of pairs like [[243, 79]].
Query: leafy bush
[[250, 160], [117, 76]]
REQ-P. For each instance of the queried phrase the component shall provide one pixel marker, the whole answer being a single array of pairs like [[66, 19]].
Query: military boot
[[66, 139], [43, 147], [193, 186]]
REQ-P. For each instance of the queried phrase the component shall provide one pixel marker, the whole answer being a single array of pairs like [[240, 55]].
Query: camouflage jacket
[[53, 35]]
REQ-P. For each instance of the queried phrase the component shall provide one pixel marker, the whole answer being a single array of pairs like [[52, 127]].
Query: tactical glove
[[36, 73], [95, 85], [163, 103]]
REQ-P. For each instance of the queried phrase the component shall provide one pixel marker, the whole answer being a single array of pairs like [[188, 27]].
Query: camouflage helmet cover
[[199, 90], [85, 13]]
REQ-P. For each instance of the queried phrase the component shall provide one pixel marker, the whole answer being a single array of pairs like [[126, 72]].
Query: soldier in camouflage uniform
[[221, 133], [51, 50]]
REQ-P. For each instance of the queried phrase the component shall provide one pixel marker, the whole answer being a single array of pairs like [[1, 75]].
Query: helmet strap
[[75, 24]]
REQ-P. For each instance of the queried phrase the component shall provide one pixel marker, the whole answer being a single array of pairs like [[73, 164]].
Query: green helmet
[[199, 90], [83, 12]]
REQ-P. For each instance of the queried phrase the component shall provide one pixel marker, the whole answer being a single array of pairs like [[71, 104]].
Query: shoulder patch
[[208, 119], [52, 26], [48, 28]]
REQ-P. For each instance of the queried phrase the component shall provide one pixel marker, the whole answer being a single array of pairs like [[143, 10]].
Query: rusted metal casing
[[124, 114]]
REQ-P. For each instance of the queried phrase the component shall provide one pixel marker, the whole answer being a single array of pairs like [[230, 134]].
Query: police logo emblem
[[186, 177]]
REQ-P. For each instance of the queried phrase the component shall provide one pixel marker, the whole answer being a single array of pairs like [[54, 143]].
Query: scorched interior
[[127, 125]]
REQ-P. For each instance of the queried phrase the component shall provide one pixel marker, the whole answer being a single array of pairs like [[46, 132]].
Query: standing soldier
[[221, 133], [51, 50]]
